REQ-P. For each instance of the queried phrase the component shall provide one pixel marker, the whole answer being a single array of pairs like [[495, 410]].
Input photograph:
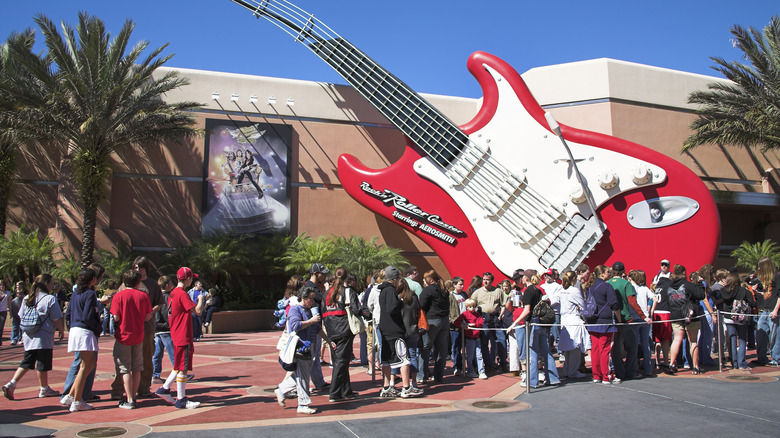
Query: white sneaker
[[483, 376], [67, 400], [522, 378], [279, 397], [48, 392], [306, 410], [8, 390], [80, 406]]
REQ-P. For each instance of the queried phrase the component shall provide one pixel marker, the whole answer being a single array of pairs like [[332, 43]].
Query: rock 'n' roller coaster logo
[[414, 216]]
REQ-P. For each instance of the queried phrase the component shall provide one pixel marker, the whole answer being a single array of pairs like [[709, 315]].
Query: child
[[473, 321], [180, 321]]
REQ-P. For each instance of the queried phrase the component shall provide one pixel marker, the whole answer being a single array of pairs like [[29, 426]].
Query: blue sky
[[424, 42]]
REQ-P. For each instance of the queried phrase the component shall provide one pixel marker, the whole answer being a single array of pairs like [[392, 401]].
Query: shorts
[[682, 325], [394, 352], [182, 357], [43, 358], [81, 339], [662, 328], [128, 358]]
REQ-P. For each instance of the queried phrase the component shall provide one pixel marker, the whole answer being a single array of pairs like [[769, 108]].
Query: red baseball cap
[[185, 273]]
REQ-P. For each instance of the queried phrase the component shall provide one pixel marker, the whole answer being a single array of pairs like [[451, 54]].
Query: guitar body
[[415, 192]]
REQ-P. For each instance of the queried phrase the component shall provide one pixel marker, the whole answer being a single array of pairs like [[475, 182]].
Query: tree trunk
[[8, 172], [88, 234]]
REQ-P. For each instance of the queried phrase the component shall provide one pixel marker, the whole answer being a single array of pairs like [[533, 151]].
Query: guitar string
[[311, 28], [308, 31]]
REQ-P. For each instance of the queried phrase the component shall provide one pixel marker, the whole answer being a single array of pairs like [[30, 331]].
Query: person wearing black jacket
[[736, 330], [391, 324], [685, 315], [435, 302], [337, 327]]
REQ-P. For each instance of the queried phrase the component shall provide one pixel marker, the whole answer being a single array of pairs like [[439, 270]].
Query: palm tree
[[746, 111], [362, 257], [304, 250], [11, 76], [24, 254], [748, 254], [95, 95]]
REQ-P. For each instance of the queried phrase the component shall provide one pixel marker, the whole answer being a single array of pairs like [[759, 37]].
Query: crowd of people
[[628, 329], [147, 318]]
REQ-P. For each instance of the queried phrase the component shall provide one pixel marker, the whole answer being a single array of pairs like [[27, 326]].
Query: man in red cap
[[180, 320]]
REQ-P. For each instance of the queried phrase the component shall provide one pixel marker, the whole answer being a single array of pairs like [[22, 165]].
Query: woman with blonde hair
[[574, 339], [767, 333]]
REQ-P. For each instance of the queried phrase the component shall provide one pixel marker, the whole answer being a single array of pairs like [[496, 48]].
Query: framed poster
[[247, 177]]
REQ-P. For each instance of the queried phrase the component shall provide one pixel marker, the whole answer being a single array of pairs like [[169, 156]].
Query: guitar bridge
[[572, 244]]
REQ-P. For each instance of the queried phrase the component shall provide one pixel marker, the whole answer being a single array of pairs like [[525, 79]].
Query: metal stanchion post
[[720, 339], [528, 357], [374, 349]]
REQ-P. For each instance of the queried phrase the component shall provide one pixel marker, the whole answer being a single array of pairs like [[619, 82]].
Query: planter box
[[233, 321]]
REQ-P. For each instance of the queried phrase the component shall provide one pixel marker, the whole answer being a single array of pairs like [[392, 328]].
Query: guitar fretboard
[[437, 136]]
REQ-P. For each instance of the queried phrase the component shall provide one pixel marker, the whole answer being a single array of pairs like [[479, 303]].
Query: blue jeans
[[766, 337], [363, 348], [456, 352], [738, 344], [108, 322], [474, 357], [86, 394], [774, 338], [162, 343], [540, 347], [197, 328], [705, 340], [16, 331], [555, 331], [491, 348], [436, 339], [643, 334]]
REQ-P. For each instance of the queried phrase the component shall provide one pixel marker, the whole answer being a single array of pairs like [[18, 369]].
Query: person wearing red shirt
[[181, 309], [131, 308]]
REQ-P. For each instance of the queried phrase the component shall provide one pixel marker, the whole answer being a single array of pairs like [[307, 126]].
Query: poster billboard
[[247, 177]]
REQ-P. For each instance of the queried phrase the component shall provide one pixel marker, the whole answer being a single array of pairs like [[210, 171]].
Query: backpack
[[31, 321], [591, 310], [678, 299], [741, 312], [544, 312]]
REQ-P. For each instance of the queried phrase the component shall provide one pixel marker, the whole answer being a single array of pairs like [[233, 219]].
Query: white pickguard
[[513, 147]]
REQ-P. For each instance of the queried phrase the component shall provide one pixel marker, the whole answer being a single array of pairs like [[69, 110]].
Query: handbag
[[356, 324], [287, 345], [422, 323]]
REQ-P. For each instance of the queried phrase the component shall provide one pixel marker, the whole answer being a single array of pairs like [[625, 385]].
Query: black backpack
[[678, 300]]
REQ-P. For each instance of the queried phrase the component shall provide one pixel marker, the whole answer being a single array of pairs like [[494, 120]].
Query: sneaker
[[606, 382], [48, 392], [67, 400], [617, 380], [306, 410], [483, 376], [407, 392], [162, 391], [185, 403], [745, 369], [190, 377], [352, 395], [416, 391], [389, 392], [597, 381], [8, 390], [472, 375], [279, 397], [522, 377], [773, 363], [80, 406], [127, 405], [457, 373]]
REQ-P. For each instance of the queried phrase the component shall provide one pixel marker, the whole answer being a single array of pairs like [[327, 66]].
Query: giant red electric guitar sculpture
[[505, 191]]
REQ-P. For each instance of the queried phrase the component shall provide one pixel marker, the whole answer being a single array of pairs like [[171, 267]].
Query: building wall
[[154, 199]]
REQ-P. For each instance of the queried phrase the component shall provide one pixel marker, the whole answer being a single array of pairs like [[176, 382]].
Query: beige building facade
[[155, 200]]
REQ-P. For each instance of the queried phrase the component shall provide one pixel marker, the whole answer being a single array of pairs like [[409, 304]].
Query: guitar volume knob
[[608, 179], [577, 195], [641, 175]]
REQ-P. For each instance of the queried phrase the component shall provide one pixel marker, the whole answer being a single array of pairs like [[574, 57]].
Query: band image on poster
[[247, 184]]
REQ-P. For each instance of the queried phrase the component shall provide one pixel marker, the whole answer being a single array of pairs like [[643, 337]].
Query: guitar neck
[[430, 130]]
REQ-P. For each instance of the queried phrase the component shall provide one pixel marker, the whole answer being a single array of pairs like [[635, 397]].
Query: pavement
[[235, 375]]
